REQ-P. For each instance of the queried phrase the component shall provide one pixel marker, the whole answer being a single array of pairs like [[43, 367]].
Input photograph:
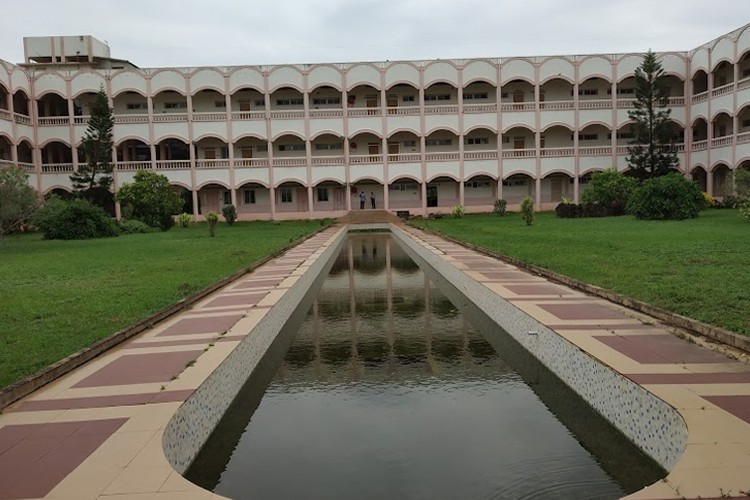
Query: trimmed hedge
[[76, 219], [669, 197]]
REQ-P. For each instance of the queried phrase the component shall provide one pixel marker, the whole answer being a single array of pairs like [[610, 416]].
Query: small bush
[[527, 210], [184, 219], [499, 208], [229, 213], [568, 210], [457, 212], [710, 202], [669, 197], [135, 227], [610, 190], [745, 210], [212, 218], [76, 219]]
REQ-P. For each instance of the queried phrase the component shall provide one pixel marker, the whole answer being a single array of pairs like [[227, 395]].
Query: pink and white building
[[298, 141]]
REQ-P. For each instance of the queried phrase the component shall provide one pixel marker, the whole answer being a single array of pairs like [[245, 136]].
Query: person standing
[[362, 200], [372, 199]]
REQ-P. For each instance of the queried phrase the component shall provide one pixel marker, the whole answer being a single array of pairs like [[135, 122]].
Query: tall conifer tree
[[97, 145], [652, 152]]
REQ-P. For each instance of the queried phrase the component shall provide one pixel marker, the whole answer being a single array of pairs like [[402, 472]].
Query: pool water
[[388, 391]]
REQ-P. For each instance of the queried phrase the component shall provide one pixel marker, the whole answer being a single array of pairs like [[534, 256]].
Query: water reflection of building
[[378, 313]]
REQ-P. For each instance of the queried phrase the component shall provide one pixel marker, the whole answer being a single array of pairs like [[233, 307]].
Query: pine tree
[[96, 174], [652, 153]]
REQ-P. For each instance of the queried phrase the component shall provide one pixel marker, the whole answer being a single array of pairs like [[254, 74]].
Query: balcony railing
[[221, 163], [677, 101], [327, 160], [480, 155], [700, 97], [132, 166], [517, 106], [169, 117], [81, 120], [556, 105], [248, 115], [288, 114], [602, 103], [251, 162], [4, 114], [480, 108], [442, 156], [622, 150], [743, 84], [699, 145], [23, 119], [724, 89], [29, 167], [366, 158], [53, 120], [173, 164], [449, 109], [519, 153], [403, 110], [595, 151], [363, 111], [123, 119], [289, 162], [6, 164], [743, 138], [327, 113], [555, 152], [57, 168], [721, 141], [209, 117], [404, 158]]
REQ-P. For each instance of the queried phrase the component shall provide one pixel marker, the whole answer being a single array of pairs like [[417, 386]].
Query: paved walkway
[[97, 432]]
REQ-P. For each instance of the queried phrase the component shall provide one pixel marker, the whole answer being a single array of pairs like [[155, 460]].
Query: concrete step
[[369, 216]]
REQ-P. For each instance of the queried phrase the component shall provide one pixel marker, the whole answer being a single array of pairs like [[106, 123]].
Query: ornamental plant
[[499, 207], [457, 212], [184, 219], [230, 213], [611, 190], [527, 210], [669, 197], [212, 218]]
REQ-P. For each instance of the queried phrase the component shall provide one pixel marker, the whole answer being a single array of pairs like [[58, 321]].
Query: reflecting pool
[[389, 391]]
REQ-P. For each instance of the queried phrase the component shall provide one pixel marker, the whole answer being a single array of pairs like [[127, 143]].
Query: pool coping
[[131, 463]]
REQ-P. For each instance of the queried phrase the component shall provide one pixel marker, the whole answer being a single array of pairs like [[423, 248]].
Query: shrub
[[184, 219], [18, 200], [611, 190], [669, 197], [76, 219], [457, 212], [499, 208], [229, 213], [151, 199], [212, 218], [527, 210], [568, 210], [745, 210], [710, 202], [135, 227]]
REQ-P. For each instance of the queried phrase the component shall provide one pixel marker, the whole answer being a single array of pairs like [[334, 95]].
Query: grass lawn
[[57, 297], [698, 268]]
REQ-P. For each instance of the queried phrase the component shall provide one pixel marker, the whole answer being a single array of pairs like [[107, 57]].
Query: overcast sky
[[153, 33]]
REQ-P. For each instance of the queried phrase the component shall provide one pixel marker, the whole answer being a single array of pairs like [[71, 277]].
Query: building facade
[[298, 141]]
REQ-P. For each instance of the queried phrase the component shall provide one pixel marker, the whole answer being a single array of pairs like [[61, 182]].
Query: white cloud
[[226, 32]]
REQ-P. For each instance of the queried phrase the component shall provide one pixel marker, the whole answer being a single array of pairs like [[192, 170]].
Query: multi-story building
[[293, 141]]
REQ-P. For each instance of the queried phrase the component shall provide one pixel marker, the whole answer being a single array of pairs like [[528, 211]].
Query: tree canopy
[[18, 200], [150, 199], [651, 152]]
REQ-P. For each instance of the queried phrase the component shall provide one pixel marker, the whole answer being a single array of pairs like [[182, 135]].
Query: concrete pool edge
[[193, 423], [661, 433]]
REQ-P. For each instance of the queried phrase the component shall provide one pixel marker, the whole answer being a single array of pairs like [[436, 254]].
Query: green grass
[[57, 297], [698, 268]]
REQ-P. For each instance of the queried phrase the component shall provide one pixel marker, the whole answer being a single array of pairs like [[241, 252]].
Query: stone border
[[694, 326], [659, 430], [26, 386], [191, 426]]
